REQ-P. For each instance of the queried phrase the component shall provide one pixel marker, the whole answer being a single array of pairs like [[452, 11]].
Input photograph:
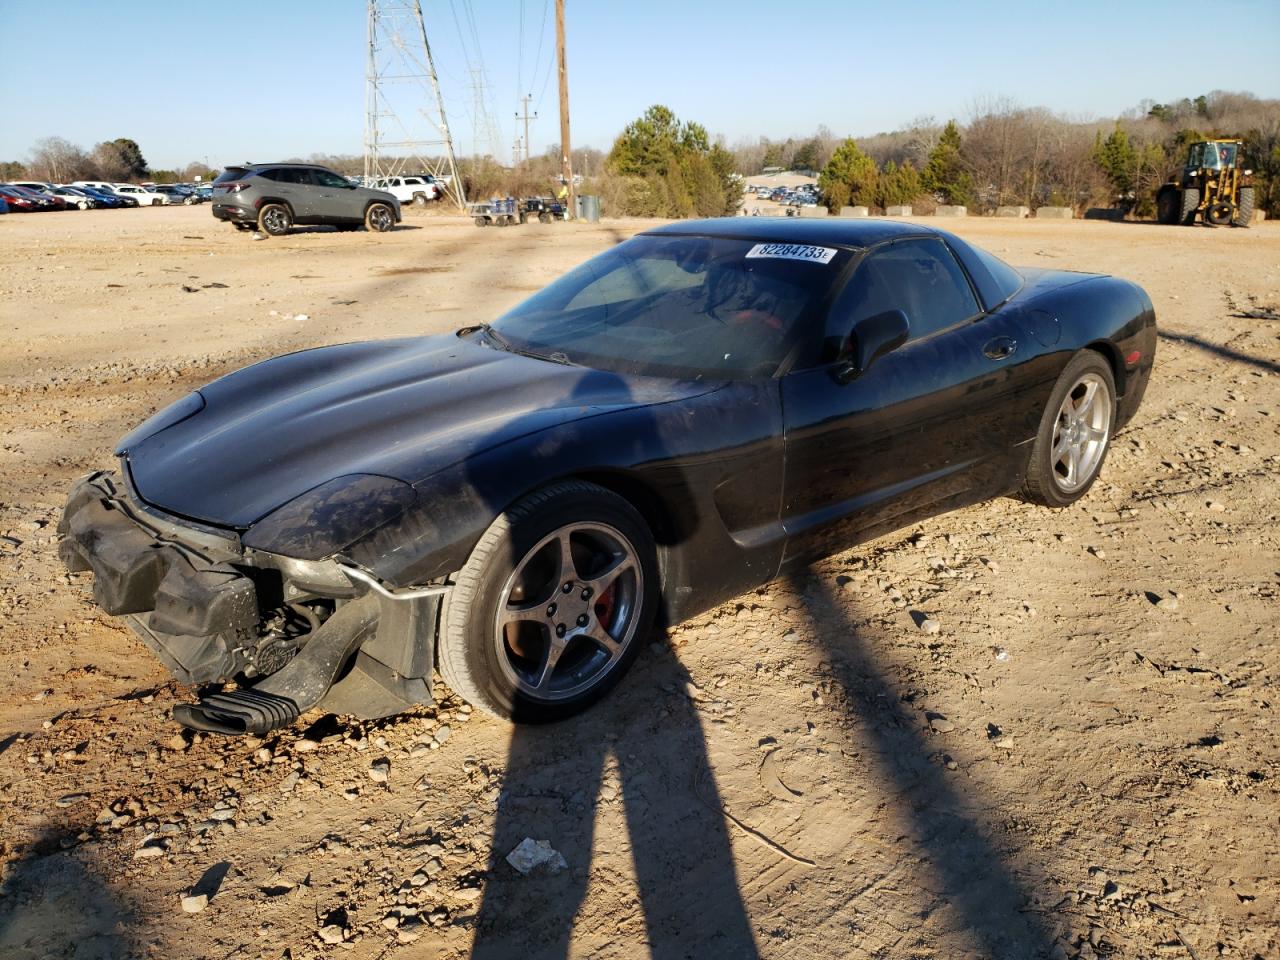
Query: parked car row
[[31, 196], [804, 195]]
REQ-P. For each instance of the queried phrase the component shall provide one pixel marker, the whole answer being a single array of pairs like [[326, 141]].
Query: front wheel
[[379, 218], [1075, 432], [275, 220], [1244, 212], [552, 606]]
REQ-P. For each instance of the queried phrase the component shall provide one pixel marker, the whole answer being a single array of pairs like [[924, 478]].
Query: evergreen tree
[[849, 177], [944, 174], [672, 169]]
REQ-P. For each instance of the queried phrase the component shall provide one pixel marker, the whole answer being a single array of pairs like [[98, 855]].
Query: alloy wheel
[[1081, 432], [569, 611]]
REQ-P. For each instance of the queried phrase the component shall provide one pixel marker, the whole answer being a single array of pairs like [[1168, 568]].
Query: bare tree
[[56, 160]]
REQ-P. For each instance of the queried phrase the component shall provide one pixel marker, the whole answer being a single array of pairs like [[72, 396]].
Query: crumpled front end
[[215, 610]]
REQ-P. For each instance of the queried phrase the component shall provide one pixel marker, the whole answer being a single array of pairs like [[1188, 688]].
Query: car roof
[[280, 163], [845, 231]]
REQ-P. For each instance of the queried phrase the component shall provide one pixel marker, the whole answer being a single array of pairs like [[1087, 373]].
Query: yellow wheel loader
[[1213, 186]]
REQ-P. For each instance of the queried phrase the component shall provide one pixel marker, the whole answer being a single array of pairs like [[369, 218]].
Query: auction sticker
[[792, 251]]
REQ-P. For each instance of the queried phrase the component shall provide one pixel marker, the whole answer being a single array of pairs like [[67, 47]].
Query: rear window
[[996, 280], [231, 174]]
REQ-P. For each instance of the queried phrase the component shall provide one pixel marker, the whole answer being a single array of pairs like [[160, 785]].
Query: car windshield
[[679, 306]]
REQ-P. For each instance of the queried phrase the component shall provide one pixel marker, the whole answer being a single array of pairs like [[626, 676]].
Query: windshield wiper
[[509, 347], [496, 337]]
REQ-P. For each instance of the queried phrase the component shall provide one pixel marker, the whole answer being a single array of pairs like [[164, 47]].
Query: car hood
[[404, 409]]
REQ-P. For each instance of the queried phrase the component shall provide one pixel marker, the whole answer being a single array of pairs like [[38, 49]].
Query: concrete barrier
[[902, 211], [1259, 216], [1054, 213], [813, 211], [857, 212], [951, 210], [1013, 211]]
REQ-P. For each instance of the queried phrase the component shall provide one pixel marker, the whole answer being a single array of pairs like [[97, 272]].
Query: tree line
[[56, 160], [1008, 154], [663, 166]]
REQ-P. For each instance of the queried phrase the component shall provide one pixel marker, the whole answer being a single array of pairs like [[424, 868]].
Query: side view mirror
[[871, 338]]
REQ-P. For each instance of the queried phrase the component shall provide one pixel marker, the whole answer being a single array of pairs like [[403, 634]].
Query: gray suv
[[272, 197]]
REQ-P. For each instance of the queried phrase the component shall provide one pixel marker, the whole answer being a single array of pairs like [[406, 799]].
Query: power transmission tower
[[483, 129], [406, 130], [525, 100]]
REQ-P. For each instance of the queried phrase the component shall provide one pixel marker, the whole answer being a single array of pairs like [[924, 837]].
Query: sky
[[229, 82]]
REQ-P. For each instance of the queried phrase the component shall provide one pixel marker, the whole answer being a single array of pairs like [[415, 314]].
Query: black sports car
[[674, 422]]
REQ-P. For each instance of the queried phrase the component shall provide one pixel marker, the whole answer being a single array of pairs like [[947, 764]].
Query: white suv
[[417, 190], [145, 197]]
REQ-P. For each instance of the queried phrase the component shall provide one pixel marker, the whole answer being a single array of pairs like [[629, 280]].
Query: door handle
[[1000, 348]]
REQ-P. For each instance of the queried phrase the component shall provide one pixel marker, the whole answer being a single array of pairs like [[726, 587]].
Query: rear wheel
[[379, 218], [482, 221], [1190, 204], [1075, 432], [552, 605], [420, 199], [1244, 212], [1167, 206], [275, 220], [544, 218]]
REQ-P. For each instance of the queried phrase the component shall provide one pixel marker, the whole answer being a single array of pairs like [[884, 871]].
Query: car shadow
[[972, 875], [53, 904], [1226, 353]]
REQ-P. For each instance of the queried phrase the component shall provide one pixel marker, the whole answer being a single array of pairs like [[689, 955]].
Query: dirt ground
[[1083, 762]]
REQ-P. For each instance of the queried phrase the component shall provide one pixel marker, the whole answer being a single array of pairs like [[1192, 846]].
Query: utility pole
[[525, 100], [566, 165]]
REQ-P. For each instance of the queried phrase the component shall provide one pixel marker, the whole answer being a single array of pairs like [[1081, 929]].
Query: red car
[[42, 201], [17, 202]]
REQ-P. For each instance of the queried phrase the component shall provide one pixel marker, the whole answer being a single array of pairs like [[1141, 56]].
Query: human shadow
[[560, 778], [52, 904], [1226, 353], [971, 873]]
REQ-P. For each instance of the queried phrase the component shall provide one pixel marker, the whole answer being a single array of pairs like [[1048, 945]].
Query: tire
[[503, 669], [482, 221], [275, 220], [379, 218], [1244, 212], [82, 205], [1086, 380], [1220, 214], [155, 203], [1167, 203], [544, 218], [419, 199], [1190, 204]]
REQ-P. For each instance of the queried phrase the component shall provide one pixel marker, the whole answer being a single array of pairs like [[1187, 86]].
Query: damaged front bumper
[[212, 610], [175, 587]]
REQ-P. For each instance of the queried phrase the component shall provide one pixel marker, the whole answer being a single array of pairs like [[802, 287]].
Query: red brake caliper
[[604, 607]]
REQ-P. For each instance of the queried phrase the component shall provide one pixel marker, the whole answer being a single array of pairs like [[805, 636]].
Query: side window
[[919, 277], [326, 179]]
